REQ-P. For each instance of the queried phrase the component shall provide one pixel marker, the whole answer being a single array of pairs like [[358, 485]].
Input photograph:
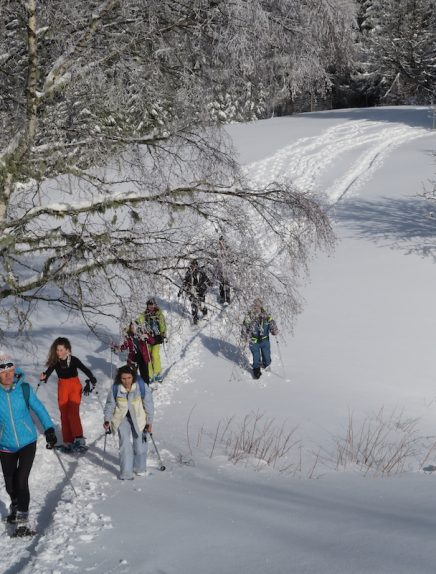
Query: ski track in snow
[[63, 520], [308, 159]]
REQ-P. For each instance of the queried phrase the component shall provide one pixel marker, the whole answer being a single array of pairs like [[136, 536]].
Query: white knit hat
[[6, 361]]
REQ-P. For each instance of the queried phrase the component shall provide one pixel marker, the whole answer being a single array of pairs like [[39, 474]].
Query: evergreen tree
[[399, 49]]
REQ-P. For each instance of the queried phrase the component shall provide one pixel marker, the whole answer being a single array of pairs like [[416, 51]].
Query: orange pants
[[69, 397]]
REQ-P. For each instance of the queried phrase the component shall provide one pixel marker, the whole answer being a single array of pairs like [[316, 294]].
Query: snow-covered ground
[[363, 345]]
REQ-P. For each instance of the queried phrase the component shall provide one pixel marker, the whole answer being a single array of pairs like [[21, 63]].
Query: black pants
[[143, 368], [198, 299], [224, 291], [16, 468]]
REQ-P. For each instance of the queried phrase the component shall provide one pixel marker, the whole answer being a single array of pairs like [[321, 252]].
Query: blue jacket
[[258, 326], [17, 428]]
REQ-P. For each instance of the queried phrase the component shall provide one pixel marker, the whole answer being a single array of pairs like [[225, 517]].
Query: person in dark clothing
[[195, 286], [66, 366], [223, 261], [18, 439], [137, 342]]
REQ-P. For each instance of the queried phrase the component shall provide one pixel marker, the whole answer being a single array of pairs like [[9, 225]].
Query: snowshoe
[[79, 445], [256, 373], [23, 530], [65, 448]]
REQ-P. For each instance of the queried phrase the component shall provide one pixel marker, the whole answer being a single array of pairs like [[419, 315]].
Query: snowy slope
[[363, 343]]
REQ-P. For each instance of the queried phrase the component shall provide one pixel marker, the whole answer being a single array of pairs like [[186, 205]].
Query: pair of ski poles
[[161, 465]]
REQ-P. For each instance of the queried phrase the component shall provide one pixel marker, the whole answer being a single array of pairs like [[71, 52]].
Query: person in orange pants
[[66, 366]]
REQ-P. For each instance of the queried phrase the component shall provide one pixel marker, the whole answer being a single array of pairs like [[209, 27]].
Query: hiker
[[152, 322], [66, 366], [195, 286], [222, 271], [257, 326], [138, 344], [129, 410], [18, 439]]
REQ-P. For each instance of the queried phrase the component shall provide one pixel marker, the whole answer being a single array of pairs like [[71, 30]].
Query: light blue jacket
[[17, 428]]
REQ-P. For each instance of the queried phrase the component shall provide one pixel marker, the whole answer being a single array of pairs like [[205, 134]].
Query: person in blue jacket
[[18, 438]]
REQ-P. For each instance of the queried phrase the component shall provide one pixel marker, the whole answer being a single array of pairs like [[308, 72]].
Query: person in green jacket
[[152, 322]]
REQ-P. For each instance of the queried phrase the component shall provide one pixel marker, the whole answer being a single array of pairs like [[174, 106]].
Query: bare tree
[[113, 164]]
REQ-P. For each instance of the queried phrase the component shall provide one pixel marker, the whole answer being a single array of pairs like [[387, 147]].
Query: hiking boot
[[12, 516], [21, 518], [257, 373], [195, 320], [204, 311], [79, 444]]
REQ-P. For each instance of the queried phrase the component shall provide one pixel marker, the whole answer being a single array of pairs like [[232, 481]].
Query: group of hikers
[[197, 281], [129, 408]]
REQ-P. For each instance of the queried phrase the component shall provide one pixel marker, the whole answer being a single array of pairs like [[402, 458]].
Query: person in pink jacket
[[137, 343]]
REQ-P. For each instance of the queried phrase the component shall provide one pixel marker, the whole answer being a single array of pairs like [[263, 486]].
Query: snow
[[363, 343]]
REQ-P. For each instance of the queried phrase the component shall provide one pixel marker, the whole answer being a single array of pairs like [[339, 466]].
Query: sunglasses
[[6, 366]]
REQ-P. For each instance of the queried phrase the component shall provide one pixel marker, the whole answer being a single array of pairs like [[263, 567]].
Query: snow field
[[364, 341]]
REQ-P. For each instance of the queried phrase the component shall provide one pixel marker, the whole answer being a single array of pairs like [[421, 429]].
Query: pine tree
[[399, 49]]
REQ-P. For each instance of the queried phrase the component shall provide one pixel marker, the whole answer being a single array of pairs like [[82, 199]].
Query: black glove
[[89, 387], [107, 427], [50, 437], [144, 435]]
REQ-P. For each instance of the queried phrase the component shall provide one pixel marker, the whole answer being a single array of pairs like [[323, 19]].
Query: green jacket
[[153, 322]]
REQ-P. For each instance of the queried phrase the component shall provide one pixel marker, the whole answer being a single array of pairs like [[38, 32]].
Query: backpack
[[25, 387], [140, 382]]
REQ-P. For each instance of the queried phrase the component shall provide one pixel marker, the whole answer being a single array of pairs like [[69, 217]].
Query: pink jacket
[[129, 343]]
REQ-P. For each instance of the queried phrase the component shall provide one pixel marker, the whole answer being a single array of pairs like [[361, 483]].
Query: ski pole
[[280, 357], [99, 400], [165, 347], [150, 362], [64, 469], [112, 364], [161, 465], [108, 431], [105, 441]]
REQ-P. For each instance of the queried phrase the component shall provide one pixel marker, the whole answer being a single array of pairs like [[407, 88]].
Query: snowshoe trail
[[361, 144]]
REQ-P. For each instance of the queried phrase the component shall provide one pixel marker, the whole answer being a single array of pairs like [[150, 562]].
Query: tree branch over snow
[[113, 161]]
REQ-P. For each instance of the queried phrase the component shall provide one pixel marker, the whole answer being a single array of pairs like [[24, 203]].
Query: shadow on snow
[[405, 224]]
